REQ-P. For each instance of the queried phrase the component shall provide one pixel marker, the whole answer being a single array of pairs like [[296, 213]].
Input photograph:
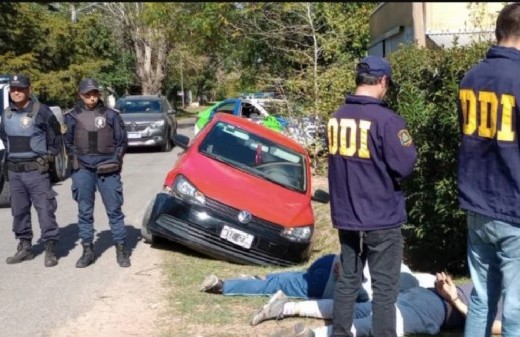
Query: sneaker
[[298, 330], [273, 309], [211, 284]]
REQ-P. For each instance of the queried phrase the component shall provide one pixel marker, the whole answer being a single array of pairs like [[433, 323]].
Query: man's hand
[[445, 287]]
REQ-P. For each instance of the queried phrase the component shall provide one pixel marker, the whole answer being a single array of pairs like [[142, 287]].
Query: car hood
[[235, 188], [142, 117]]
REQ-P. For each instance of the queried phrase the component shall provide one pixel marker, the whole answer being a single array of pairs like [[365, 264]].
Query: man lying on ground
[[420, 310], [317, 281]]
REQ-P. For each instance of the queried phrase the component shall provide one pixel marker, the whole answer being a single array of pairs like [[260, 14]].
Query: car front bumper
[[142, 138], [201, 229]]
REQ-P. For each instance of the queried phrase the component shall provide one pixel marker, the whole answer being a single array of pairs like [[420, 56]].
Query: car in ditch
[[150, 121], [239, 192]]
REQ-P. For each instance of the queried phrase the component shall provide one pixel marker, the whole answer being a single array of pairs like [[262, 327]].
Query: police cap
[[88, 84], [20, 81]]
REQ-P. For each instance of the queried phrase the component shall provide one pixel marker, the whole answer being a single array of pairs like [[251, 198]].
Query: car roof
[[259, 129], [141, 97]]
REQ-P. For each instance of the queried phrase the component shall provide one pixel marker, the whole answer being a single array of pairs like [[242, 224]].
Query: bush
[[426, 97]]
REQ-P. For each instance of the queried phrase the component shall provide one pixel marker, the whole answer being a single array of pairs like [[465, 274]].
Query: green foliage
[[426, 97]]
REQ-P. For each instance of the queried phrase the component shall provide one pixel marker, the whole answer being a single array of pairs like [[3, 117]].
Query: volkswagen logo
[[244, 217], [133, 126]]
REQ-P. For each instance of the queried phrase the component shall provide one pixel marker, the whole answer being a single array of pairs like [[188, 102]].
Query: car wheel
[[60, 167], [167, 147], [145, 233], [5, 195]]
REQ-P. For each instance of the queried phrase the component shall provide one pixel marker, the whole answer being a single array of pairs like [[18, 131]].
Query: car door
[[170, 114], [230, 106]]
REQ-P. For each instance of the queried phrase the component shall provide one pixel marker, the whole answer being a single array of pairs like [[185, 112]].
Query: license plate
[[134, 135], [237, 237]]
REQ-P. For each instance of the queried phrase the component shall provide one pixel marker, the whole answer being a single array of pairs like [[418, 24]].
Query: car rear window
[[256, 155], [139, 106]]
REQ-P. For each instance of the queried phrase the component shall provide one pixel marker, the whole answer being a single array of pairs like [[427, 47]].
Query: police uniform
[[370, 152], [31, 136], [96, 141]]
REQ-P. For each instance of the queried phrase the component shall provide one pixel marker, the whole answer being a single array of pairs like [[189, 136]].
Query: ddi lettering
[[483, 114]]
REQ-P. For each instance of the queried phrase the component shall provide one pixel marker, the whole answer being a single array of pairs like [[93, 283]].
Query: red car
[[240, 192]]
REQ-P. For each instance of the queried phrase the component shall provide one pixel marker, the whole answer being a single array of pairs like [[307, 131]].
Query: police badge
[[25, 122], [100, 122]]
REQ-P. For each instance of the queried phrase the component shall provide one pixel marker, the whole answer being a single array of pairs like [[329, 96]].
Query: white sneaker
[[209, 282], [273, 308]]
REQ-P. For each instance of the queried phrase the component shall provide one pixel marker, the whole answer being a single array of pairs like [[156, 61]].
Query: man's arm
[[448, 290], [53, 133]]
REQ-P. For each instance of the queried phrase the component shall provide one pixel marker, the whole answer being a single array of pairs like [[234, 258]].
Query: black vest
[[93, 135], [24, 139]]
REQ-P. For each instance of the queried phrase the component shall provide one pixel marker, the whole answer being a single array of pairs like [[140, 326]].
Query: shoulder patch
[[405, 138]]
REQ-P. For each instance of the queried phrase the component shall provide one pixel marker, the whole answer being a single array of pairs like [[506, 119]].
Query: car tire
[[5, 195], [167, 147], [145, 233], [60, 167]]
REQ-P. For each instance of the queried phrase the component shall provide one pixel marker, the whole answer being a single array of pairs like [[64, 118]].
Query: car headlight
[[299, 234], [157, 124], [184, 190]]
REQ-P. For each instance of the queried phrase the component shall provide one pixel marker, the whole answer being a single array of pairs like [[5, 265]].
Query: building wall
[[392, 24], [461, 16]]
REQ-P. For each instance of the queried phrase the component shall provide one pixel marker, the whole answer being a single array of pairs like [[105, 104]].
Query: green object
[[272, 122], [204, 116]]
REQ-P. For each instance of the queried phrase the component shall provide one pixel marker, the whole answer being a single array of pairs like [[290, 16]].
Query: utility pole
[[182, 86]]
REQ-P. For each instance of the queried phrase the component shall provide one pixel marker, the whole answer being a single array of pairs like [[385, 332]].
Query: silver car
[[149, 120]]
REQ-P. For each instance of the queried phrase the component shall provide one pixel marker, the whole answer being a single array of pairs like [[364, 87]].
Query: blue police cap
[[20, 81], [88, 84], [376, 66]]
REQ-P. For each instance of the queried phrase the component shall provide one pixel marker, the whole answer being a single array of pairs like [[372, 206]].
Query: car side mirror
[[172, 112], [181, 141], [321, 196]]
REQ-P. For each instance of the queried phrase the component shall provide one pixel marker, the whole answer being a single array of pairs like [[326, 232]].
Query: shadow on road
[[66, 242], [104, 240]]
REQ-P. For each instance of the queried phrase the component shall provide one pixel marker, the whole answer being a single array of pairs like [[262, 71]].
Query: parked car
[[150, 120], [257, 110], [59, 169], [240, 192]]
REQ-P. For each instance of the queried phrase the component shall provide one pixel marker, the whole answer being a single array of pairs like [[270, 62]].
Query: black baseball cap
[[88, 84], [20, 81], [375, 65]]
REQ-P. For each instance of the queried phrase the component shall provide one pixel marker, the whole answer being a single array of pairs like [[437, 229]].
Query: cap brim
[[89, 89]]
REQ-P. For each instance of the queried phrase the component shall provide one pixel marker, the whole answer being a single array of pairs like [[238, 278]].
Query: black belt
[[26, 166]]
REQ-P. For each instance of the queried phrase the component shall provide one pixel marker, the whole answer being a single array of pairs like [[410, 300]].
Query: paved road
[[35, 300]]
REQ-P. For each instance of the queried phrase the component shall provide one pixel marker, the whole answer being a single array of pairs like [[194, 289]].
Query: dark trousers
[[33, 188], [383, 250], [84, 185]]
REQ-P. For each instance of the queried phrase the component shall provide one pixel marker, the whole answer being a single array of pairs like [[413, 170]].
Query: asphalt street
[[34, 299]]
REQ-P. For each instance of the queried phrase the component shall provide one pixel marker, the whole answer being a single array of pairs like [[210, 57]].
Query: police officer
[[32, 137], [370, 153], [96, 142]]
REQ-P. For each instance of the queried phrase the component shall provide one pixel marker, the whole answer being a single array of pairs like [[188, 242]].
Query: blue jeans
[[383, 250], [84, 184], [297, 284], [494, 264]]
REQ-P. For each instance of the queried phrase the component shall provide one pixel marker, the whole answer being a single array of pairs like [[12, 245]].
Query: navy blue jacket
[[370, 152], [489, 153], [120, 138], [45, 120]]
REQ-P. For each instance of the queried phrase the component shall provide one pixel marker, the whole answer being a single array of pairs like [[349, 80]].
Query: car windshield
[[255, 155], [139, 106]]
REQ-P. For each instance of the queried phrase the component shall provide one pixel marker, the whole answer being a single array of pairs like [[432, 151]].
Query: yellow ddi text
[[349, 137], [483, 111]]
